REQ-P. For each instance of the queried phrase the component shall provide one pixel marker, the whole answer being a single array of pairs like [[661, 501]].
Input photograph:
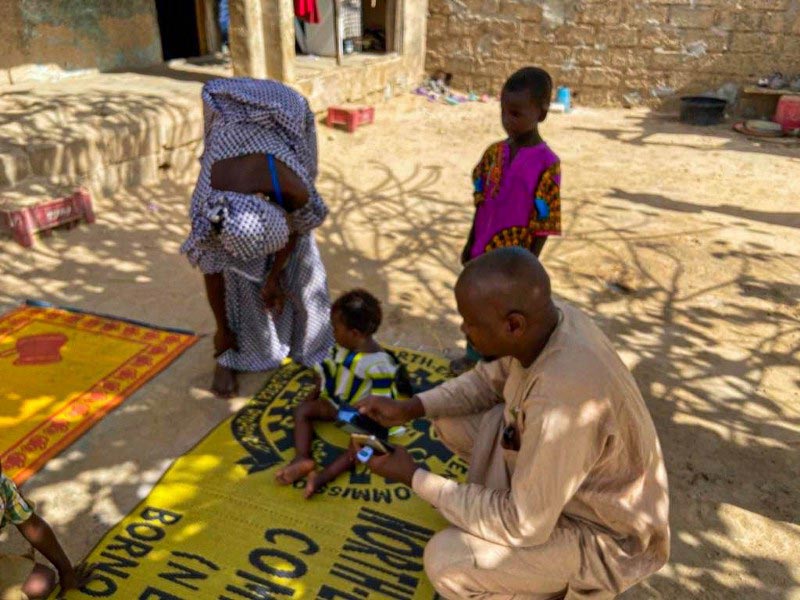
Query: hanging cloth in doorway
[[306, 10]]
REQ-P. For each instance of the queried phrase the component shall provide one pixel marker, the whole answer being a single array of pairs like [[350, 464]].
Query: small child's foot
[[224, 384], [312, 485], [297, 469]]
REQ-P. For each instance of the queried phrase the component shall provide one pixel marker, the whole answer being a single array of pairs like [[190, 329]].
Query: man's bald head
[[513, 276], [505, 301]]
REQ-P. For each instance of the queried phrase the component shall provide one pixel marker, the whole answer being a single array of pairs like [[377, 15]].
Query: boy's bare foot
[[224, 384], [312, 485], [297, 469]]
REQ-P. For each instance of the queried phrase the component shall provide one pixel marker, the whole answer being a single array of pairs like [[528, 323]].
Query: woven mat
[[61, 371], [218, 526]]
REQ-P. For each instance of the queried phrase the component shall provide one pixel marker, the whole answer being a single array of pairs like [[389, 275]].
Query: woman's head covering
[[251, 116]]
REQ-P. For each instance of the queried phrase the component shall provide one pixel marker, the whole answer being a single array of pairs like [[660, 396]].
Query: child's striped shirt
[[348, 376]]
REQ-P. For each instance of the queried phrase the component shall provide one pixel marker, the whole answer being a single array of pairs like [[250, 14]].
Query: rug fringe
[[45, 304]]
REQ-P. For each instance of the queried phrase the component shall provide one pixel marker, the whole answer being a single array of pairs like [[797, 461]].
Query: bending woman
[[253, 212]]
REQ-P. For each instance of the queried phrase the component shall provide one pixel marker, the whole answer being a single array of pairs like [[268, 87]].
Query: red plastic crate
[[25, 223], [788, 113], [350, 117]]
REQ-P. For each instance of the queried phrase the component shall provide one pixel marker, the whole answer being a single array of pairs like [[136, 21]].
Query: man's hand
[[273, 296], [389, 412], [397, 466], [76, 578]]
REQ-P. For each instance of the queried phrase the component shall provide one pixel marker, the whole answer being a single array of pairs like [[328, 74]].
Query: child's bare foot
[[224, 384], [297, 469], [312, 485], [40, 583]]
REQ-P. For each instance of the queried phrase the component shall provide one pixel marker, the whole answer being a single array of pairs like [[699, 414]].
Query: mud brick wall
[[40, 38], [605, 49]]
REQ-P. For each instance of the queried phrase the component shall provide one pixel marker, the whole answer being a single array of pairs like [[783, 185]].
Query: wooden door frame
[[394, 26], [208, 32]]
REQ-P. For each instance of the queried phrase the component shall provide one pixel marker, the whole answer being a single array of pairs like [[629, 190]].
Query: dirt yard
[[683, 244]]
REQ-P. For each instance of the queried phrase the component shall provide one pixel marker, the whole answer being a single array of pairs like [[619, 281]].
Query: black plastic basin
[[701, 110]]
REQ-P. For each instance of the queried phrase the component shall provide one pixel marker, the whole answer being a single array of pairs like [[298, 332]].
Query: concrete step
[[104, 132]]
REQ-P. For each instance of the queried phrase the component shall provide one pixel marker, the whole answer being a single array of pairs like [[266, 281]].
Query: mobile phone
[[370, 441], [354, 422], [365, 454]]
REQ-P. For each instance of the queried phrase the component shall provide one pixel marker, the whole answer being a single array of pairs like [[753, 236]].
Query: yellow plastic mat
[[218, 526], [62, 371]]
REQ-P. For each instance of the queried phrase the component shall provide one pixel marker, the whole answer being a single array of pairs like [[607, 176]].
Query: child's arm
[[466, 252], [41, 536], [273, 295], [380, 379], [33, 528], [479, 177], [325, 378], [316, 393], [546, 214]]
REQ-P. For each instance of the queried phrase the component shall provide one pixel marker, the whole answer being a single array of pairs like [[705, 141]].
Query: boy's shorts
[[14, 572]]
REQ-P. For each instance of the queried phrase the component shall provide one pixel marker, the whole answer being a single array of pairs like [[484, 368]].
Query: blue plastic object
[[542, 209], [564, 96], [350, 420], [365, 454]]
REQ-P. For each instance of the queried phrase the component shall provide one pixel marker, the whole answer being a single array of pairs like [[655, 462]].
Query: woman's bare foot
[[297, 469], [224, 340], [224, 384], [313, 483]]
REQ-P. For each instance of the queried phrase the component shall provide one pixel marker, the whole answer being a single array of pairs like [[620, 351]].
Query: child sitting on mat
[[20, 575], [357, 367], [517, 181]]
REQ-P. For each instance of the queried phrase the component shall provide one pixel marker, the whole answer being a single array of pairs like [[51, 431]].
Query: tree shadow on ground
[[128, 264], [785, 219], [708, 377], [125, 264], [395, 238], [653, 129]]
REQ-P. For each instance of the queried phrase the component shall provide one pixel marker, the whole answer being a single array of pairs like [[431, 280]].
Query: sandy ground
[[682, 243]]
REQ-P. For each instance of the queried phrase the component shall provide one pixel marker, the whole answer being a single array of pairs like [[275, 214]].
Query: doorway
[[364, 27], [177, 23], [379, 35]]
